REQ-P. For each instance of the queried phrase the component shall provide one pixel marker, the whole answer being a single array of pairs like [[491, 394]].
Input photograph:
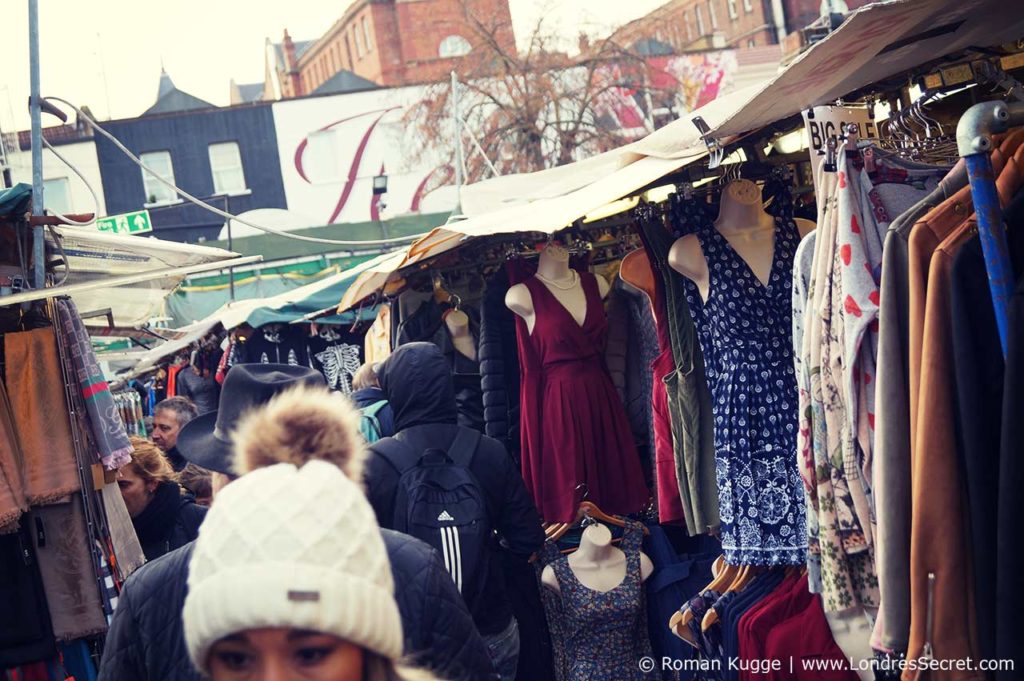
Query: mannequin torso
[[750, 231], [562, 281], [457, 323], [597, 564]]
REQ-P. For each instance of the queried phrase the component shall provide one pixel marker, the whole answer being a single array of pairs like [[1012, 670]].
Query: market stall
[[67, 543], [776, 347]]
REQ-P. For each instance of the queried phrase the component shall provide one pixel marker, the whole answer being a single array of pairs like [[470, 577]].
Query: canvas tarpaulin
[[93, 257]]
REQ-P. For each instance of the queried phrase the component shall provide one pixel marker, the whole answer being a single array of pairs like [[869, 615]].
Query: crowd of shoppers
[[298, 570]]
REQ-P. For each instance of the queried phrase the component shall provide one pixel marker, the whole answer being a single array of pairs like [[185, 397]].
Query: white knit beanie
[[291, 547]]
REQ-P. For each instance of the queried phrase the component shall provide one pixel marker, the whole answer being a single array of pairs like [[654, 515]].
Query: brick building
[[387, 42], [689, 25]]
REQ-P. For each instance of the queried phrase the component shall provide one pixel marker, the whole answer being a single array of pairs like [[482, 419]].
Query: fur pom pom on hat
[[305, 423], [292, 547]]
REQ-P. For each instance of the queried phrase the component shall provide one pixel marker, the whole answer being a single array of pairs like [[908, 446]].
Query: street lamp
[[380, 188]]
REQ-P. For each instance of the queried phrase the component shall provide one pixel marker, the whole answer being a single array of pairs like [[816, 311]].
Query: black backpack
[[440, 502]]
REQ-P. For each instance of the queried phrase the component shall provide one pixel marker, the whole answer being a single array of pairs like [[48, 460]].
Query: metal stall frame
[[974, 143]]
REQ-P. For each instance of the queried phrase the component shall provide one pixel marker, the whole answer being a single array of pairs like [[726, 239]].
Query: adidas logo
[[445, 517]]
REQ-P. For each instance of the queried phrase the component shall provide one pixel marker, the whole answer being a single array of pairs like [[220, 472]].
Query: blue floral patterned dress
[[746, 334], [605, 632]]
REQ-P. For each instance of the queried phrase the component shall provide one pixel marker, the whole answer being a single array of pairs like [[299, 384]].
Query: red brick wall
[[405, 38], [676, 24], [424, 24]]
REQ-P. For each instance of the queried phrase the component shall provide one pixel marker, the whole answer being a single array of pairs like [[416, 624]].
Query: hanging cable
[[95, 198], [217, 211]]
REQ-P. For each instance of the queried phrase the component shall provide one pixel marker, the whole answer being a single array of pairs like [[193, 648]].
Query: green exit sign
[[128, 223]]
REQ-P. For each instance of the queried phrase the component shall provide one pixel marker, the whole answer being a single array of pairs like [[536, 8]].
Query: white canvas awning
[[130, 275], [876, 42], [551, 200]]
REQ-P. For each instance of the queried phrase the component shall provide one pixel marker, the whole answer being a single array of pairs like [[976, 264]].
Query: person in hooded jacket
[[370, 399], [417, 381], [146, 641], [165, 517]]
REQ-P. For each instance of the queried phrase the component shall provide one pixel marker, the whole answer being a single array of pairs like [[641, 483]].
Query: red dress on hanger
[[576, 439]]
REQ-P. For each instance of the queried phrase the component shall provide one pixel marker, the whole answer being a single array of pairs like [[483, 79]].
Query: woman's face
[[285, 655], [137, 492]]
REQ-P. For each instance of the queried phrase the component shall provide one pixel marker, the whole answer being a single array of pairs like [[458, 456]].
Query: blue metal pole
[[992, 232], [38, 246]]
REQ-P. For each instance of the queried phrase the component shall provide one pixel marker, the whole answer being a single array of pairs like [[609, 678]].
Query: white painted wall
[[83, 156], [332, 129]]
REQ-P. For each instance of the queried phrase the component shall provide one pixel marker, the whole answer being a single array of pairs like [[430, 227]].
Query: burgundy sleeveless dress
[[576, 439]]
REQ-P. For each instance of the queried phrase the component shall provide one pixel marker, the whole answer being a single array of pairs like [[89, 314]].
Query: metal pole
[[231, 270], [974, 142], [38, 245], [459, 161]]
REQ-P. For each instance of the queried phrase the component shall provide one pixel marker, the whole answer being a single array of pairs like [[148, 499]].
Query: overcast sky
[[107, 53]]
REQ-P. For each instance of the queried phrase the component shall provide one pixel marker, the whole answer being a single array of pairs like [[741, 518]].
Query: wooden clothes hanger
[[587, 509]]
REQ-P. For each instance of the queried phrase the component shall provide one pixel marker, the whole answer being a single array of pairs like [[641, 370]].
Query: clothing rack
[[974, 142]]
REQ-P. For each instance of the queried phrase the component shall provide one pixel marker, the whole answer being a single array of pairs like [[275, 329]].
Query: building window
[[57, 195], [751, 43], [732, 9], [366, 35], [686, 24], [454, 46], [700, 21], [712, 14], [748, 6], [226, 166], [359, 43], [160, 163], [348, 53]]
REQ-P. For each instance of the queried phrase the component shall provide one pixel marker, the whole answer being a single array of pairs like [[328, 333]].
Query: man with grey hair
[[169, 416]]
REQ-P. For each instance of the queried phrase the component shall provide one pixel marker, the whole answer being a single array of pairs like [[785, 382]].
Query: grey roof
[[166, 85], [250, 92], [344, 81], [176, 100], [301, 46]]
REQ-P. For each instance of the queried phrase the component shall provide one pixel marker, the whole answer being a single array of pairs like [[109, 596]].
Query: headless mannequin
[[597, 564], [553, 271], [750, 231], [457, 323]]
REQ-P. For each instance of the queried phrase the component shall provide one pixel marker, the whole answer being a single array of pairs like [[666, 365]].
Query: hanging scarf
[[49, 466], [107, 429], [153, 525], [12, 493]]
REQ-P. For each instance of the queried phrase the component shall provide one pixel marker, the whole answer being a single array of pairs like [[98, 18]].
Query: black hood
[[418, 383]]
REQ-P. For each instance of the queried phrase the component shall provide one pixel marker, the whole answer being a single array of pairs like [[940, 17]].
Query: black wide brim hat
[[206, 439]]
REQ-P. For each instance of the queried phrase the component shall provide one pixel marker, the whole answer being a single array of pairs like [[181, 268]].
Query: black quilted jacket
[[499, 365], [146, 640]]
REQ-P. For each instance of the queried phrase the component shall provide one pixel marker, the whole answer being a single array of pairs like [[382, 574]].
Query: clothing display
[[499, 364], [688, 398], [129, 408], [68, 572], [336, 354], [746, 329], [602, 633], [712, 440], [377, 345], [107, 431], [41, 417], [578, 440], [12, 490]]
